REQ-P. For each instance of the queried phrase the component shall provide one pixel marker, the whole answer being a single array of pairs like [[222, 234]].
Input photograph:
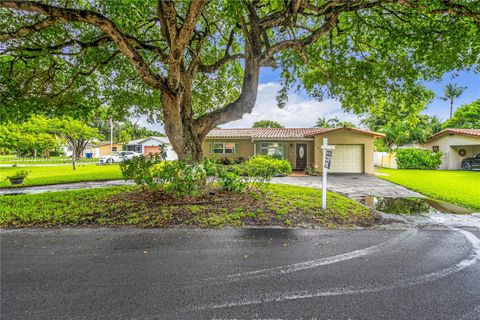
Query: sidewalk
[[10, 165], [65, 187]]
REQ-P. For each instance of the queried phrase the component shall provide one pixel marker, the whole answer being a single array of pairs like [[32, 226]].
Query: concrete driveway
[[352, 185]]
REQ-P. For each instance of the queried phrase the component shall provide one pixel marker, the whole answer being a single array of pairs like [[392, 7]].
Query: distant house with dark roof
[[300, 146], [455, 145]]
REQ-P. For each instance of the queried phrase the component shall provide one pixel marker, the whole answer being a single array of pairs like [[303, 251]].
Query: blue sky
[[302, 110]]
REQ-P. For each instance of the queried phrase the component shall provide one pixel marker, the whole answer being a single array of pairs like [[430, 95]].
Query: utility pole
[[111, 135]]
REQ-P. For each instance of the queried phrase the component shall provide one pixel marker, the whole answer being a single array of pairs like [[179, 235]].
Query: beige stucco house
[[455, 145], [300, 146]]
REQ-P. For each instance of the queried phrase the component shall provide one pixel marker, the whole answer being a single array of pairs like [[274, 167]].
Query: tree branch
[[235, 110], [122, 42], [194, 12], [210, 68], [25, 31], [168, 20], [314, 36]]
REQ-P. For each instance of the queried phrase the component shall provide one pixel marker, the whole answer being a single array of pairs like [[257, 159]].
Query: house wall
[[150, 143], [346, 137], [105, 149], [449, 145], [245, 149]]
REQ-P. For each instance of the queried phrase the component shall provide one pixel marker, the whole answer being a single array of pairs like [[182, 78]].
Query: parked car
[[119, 157], [471, 163]]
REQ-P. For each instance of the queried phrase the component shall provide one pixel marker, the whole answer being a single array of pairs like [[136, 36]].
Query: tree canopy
[[465, 117], [266, 124], [39, 134], [195, 65], [402, 132]]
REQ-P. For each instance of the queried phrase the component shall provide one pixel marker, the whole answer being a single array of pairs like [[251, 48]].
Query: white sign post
[[327, 157]]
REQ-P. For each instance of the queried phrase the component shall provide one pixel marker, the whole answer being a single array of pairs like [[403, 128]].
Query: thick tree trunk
[[185, 133], [179, 128]]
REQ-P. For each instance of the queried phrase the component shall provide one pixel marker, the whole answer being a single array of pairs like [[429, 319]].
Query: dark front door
[[301, 162]]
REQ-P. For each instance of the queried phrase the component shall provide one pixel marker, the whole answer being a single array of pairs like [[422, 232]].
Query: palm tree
[[327, 123], [451, 92]]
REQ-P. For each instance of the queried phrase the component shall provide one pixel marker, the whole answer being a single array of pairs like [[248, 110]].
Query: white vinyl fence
[[385, 159]]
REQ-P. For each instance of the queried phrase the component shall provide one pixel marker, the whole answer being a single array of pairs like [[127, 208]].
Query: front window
[[435, 148], [138, 149], [273, 149], [224, 148], [114, 149]]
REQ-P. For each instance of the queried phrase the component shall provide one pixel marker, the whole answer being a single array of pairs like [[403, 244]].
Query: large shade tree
[[197, 63]]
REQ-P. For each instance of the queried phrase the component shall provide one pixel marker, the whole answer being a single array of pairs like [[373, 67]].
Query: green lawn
[[459, 187], [40, 175], [277, 205]]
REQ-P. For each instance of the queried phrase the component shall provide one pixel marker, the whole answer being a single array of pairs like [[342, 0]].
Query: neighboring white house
[[151, 145], [455, 145]]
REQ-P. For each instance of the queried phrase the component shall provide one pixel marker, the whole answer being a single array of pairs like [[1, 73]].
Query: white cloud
[[299, 111]]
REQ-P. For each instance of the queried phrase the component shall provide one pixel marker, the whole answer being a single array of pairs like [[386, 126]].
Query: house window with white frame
[[273, 149], [223, 148]]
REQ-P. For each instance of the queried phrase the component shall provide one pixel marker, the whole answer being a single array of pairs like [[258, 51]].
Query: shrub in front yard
[[267, 165], [211, 166], [180, 177], [231, 180], [411, 158], [183, 178], [140, 169]]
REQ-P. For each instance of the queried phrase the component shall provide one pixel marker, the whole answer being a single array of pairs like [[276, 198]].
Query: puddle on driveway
[[411, 206]]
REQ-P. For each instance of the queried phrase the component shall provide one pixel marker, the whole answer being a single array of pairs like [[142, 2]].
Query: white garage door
[[347, 158]]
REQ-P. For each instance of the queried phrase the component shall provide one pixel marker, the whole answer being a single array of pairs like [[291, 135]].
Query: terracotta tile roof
[[375, 134], [276, 133], [464, 132]]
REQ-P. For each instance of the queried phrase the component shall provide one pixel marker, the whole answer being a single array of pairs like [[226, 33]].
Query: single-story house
[[151, 145], [300, 146], [455, 145], [95, 149], [102, 148]]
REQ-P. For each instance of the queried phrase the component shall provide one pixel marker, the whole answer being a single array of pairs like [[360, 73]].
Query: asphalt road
[[424, 272]]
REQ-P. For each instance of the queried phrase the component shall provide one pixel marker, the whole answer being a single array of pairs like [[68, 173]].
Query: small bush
[[310, 171], [261, 169], [140, 169], [278, 166], [180, 177], [20, 174], [211, 167], [231, 180], [411, 158]]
